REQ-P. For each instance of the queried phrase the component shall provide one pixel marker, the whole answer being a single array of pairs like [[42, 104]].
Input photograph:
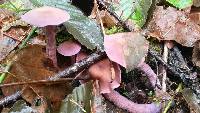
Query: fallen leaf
[[29, 67], [195, 16], [191, 100], [196, 3], [86, 98], [171, 24], [21, 107], [107, 19], [126, 49], [11, 38], [80, 100]]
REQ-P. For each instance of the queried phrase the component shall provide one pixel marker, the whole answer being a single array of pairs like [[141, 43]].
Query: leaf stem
[[23, 44], [3, 75]]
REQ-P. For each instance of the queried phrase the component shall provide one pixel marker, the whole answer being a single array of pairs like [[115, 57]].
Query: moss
[[114, 29], [155, 45], [63, 36]]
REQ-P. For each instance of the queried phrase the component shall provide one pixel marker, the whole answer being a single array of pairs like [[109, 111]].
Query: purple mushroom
[[69, 48], [47, 17]]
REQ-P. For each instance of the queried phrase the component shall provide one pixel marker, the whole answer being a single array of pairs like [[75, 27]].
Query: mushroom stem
[[51, 44], [149, 73], [122, 102]]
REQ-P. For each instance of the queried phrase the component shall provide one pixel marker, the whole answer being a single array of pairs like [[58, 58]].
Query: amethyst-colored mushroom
[[130, 106], [107, 73], [69, 48], [115, 49], [47, 17]]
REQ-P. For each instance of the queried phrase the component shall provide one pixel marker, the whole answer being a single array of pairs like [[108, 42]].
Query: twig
[[10, 99], [76, 67], [164, 72], [74, 102], [180, 56], [157, 56], [40, 82], [101, 3], [79, 66]]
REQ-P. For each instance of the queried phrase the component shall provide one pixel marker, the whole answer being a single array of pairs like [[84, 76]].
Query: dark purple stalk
[[122, 102], [150, 74], [51, 44]]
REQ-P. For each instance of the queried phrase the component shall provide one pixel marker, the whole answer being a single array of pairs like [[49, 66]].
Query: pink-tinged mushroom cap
[[45, 16], [114, 49], [126, 49], [107, 78], [69, 48]]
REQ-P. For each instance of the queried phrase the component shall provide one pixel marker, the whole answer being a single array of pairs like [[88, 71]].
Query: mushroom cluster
[[107, 72], [48, 18]]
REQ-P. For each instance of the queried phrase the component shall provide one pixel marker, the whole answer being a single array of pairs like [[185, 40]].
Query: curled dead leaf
[[171, 24]]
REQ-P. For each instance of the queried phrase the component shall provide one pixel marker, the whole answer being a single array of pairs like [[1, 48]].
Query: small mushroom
[[47, 17], [107, 73], [69, 48]]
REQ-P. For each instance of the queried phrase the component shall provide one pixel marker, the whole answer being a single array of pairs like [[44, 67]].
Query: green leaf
[[181, 4], [134, 10], [17, 5], [85, 30], [79, 101]]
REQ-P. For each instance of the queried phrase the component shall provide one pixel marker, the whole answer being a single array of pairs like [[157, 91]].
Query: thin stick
[[9, 99], [164, 72], [79, 66], [40, 82], [76, 67]]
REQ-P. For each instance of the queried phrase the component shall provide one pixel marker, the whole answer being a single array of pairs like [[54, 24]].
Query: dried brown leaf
[[196, 3], [29, 66], [9, 39], [171, 24]]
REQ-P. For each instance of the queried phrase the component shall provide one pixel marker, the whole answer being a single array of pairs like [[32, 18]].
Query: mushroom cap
[[45, 16], [69, 48]]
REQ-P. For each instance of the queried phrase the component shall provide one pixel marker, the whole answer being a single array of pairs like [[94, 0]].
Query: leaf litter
[[166, 24], [127, 49], [34, 68]]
